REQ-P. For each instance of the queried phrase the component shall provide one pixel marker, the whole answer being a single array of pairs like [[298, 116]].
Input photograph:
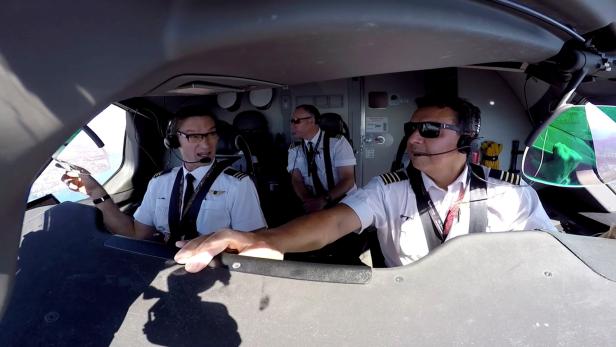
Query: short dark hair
[[194, 111], [310, 109], [466, 113]]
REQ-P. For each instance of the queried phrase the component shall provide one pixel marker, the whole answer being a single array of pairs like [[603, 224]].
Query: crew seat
[[276, 194]]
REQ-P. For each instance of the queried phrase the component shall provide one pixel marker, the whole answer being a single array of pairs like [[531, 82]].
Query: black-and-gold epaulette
[[393, 177], [295, 144], [506, 176], [235, 173], [160, 173]]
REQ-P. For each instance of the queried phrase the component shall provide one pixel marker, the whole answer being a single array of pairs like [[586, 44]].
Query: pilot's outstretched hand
[[197, 253], [82, 182]]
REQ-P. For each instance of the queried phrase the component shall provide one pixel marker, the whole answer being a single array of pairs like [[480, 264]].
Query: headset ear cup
[[464, 144], [471, 130], [171, 140]]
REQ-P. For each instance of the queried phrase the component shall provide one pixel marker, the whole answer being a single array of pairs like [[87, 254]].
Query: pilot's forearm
[[115, 220], [313, 231], [341, 188]]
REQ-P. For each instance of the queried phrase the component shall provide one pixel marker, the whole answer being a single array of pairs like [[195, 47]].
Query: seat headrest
[[251, 122], [332, 123], [226, 138]]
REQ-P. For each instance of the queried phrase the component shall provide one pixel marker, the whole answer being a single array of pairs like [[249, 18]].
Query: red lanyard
[[443, 228], [453, 212]]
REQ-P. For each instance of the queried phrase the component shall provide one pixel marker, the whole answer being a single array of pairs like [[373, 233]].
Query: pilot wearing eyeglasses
[[319, 179], [198, 198], [414, 211]]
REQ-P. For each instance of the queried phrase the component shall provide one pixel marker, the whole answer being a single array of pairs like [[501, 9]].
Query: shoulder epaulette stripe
[[392, 177], [239, 175], [160, 173], [506, 176], [235, 173], [294, 144], [387, 178]]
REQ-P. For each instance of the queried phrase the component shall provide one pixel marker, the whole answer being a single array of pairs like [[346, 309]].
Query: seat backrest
[[232, 146], [273, 184], [333, 124], [254, 128], [226, 138], [401, 160]]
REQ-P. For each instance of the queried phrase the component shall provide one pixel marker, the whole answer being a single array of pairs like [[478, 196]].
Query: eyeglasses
[[198, 138], [428, 130], [299, 120]]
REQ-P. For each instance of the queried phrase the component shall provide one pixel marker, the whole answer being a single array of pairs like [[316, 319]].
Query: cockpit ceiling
[[117, 49], [305, 43], [282, 43]]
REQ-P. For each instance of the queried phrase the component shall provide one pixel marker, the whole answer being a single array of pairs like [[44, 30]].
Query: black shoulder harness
[[329, 171], [187, 225], [430, 220]]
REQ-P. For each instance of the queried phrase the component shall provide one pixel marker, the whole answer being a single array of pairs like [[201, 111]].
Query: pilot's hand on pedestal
[[197, 253]]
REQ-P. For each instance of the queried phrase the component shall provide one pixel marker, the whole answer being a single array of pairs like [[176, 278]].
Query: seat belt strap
[[478, 200], [433, 238], [186, 226], [329, 171], [477, 205]]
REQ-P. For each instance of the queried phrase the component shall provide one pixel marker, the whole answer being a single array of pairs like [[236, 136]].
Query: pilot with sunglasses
[[439, 180], [308, 162], [197, 198]]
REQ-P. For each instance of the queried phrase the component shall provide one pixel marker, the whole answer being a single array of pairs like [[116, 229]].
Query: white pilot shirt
[[341, 154], [392, 209], [230, 203]]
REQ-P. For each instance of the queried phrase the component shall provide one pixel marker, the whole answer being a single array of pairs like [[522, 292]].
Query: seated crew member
[[199, 197], [321, 166], [438, 134]]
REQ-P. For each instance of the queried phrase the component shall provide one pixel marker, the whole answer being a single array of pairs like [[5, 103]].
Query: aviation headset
[[469, 117], [171, 137], [171, 140]]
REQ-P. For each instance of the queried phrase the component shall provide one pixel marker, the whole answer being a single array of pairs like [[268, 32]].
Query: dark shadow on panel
[[70, 290], [180, 318]]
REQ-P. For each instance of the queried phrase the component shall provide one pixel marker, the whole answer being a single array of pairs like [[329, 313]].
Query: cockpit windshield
[[577, 148]]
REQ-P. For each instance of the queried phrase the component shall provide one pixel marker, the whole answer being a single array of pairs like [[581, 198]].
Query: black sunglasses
[[299, 120], [428, 130]]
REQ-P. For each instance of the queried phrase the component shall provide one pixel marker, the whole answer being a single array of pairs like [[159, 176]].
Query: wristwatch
[[101, 199]]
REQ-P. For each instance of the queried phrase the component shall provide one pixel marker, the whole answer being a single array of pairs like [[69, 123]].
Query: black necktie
[[312, 171], [190, 190], [310, 153]]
